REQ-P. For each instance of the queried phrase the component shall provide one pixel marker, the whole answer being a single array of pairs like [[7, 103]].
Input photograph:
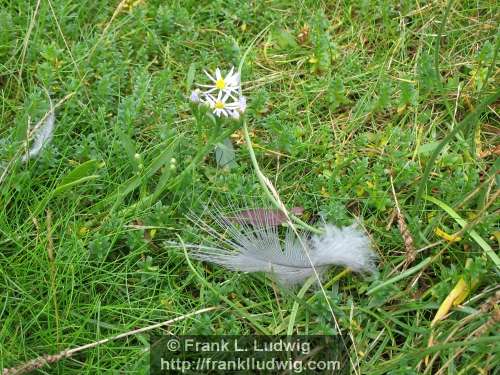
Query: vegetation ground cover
[[369, 110]]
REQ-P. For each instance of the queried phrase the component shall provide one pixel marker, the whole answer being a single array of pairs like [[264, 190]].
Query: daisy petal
[[199, 84], [234, 79], [209, 76]]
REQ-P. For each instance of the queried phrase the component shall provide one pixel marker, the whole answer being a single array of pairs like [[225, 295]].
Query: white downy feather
[[347, 246], [259, 249], [43, 136]]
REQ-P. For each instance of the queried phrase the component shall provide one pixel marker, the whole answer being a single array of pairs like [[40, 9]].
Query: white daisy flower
[[228, 84], [223, 96], [221, 106]]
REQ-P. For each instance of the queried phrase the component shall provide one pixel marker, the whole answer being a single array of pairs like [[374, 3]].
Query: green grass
[[368, 90]]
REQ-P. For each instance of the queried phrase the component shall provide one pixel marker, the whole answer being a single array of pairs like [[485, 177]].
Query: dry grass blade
[[53, 271], [49, 359], [403, 229]]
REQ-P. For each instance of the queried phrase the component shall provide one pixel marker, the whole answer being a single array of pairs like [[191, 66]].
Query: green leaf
[[426, 148], [80, 171], [384, 97], [63, 188], [155, 165], [133, 183], [80, 174], [284, 39], [469, 120], [409, 94], [129, 146], [225, 155]]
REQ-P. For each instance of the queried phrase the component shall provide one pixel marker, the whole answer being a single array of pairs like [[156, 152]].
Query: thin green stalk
[[460, 126], [402, 275], [479, 240], [260, 175], [301, 294], [239, 310], [345, 272], [436, 56], [310, 281], [493, 63], [210, 144], [262, 179], [249, 48], [485, 85], [153, 197]]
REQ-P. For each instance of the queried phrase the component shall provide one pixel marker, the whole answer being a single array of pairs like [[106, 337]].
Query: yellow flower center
[[220, 84], [219, 104]]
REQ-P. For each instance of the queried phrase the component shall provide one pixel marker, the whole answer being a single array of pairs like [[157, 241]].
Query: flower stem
[[262, 179], [212, 141]]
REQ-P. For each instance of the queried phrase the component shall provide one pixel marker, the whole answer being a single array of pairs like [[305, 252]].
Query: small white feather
[[43, 136], [347, 246], [259, 249]]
